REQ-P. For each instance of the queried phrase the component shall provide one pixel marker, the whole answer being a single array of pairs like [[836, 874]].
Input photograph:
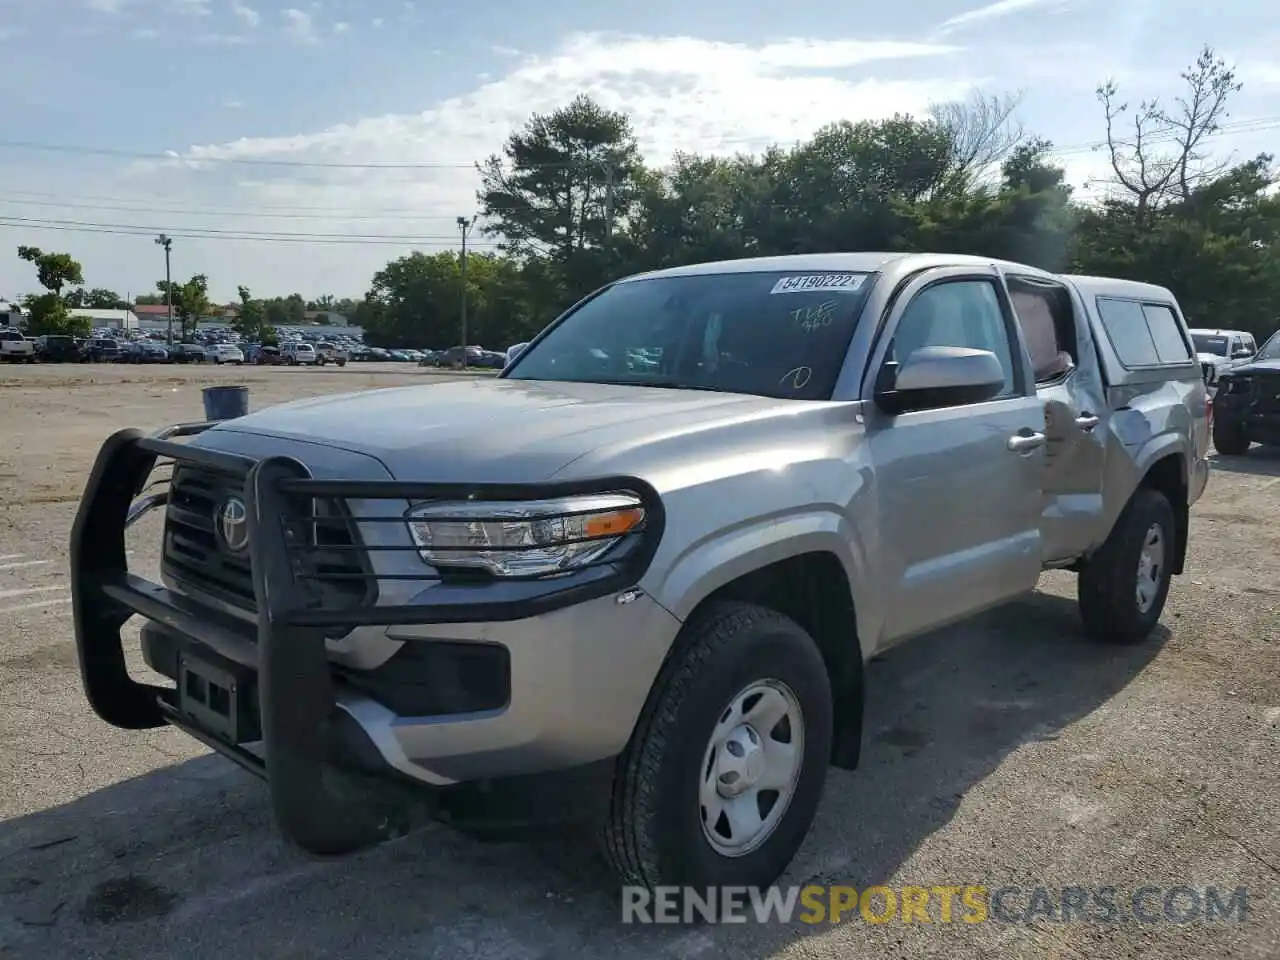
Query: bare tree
[[1161, 158], [983, 132]]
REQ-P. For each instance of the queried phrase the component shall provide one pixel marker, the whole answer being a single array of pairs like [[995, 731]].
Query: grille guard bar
[[297, 698]]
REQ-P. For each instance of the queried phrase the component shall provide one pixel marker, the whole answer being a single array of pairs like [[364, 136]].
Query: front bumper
[[272, 680]]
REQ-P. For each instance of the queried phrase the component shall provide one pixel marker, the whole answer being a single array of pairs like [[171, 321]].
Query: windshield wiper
[[663, 384]]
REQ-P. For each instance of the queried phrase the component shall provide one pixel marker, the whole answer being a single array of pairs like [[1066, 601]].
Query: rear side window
[[1166, 333], [1144, 335]]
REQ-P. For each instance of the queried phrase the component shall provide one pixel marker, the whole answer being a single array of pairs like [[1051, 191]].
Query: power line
[[139, 207], [131, 230]]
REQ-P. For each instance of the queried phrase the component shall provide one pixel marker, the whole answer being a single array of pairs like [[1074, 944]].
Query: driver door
[[958, 487]]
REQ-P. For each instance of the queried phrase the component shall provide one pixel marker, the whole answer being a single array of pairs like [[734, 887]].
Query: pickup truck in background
[[15, 348], [705, 498]]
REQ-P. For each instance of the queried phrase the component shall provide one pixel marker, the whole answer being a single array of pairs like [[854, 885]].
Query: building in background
[[12, 315], [116, 319]]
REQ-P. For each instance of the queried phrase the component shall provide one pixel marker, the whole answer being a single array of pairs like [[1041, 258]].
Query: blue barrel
[[225, 403]]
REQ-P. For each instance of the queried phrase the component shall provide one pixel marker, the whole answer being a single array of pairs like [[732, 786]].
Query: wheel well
[[1168, 477], [813, 590]]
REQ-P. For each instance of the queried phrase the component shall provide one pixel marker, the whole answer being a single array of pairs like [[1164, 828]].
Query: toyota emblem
[[233, 524]]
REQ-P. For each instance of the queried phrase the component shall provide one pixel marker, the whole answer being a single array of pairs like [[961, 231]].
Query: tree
[[562, 188], [49, 314], [98, 298], [251, 321], [1161, 158], [193, 299]]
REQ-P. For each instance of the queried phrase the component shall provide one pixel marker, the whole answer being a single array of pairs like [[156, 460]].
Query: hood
[[1259, 366], [492, 430]]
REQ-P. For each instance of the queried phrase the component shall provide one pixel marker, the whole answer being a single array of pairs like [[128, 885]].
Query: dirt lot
[[1010, 751]]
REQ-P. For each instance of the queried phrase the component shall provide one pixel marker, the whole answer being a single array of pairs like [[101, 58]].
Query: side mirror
[[935, 377]]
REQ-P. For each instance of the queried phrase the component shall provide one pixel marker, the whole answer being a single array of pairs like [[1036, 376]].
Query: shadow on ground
[[1259, 461], [184, 861]]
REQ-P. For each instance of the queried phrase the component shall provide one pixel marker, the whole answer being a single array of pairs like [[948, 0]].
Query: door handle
[[1025, 442], [1087, 420]]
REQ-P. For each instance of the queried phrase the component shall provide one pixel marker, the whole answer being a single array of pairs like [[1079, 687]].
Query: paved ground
[[1007, 752]]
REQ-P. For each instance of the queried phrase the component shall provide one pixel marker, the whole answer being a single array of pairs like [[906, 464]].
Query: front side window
[[956, 313], [771, 334]]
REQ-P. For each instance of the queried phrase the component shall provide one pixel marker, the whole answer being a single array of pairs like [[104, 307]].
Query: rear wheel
[[1230, 438], [1123, 587], [723, 774]]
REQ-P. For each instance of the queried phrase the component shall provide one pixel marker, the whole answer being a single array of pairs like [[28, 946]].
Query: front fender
[[709, 563]]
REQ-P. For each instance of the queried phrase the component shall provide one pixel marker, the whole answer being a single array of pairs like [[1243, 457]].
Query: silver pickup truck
[[633, 580]]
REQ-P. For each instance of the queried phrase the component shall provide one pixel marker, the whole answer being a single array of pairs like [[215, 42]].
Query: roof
[[1205, 331], [859, 262], [94, 314], [1111, 286]]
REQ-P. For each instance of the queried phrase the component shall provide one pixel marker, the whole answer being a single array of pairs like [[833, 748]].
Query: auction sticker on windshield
[[834, 282]]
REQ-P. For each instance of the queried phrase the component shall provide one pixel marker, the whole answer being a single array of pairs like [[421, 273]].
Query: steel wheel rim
[[1150, 567], [751, 767]]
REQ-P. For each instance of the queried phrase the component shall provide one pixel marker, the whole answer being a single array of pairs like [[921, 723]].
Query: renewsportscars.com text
[[965, 904]]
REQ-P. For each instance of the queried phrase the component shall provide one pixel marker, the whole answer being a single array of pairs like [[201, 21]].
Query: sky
[[252, 131]]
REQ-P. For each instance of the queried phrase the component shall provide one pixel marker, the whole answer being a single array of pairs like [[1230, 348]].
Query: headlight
[[523, 539]]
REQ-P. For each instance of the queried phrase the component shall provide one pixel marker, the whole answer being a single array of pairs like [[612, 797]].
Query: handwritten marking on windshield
[[814, 318], [797, 378]]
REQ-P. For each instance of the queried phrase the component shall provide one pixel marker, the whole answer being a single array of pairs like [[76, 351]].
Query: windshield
[[1208, 344], [775, 334], [1271, 349]]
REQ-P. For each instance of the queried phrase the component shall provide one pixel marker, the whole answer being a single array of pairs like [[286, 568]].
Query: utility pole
[[167, 243], [464, 227]]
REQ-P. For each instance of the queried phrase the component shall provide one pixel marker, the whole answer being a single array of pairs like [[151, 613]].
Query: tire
[[1107, 590], [654, 834], [1230, 438]]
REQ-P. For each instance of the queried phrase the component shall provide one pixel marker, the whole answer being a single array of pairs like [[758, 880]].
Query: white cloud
[[502, 51], [199, 8], [377, 22], [105, 6], [1260, 73], [246, 14], [341, 27], [996, 11], [682, 94], [298, 25]]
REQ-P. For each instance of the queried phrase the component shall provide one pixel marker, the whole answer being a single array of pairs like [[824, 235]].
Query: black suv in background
[[101, 350], [57, 348]]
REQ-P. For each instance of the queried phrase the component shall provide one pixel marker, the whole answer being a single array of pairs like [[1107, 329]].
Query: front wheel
[[722, 777], [1229, 438], [1123, 587]]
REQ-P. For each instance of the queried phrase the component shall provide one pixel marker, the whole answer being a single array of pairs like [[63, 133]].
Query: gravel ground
[[1008, 751]]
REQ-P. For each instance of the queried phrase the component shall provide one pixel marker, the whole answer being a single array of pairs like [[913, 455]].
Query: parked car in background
[[143, 352], [58, 348], [15, 348], [266, 355], [327, 352], [513, 351], [221, 353], [1246, 409], [299, 352], [101, 350], [430, 358], [187, 353], [454, 356], [1219, 350]]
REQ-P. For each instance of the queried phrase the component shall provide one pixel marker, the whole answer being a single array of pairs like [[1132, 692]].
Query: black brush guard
[[320, 807]]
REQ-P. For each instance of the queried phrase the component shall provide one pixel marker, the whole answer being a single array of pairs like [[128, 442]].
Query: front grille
[[333, 569], [1266, 393]]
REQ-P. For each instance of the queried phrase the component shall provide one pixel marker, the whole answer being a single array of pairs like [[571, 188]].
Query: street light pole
[[167, 243], [464, 226]]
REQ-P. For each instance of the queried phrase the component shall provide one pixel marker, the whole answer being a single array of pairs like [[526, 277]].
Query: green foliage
[[251, 321], [53, 270], [48, 314]]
